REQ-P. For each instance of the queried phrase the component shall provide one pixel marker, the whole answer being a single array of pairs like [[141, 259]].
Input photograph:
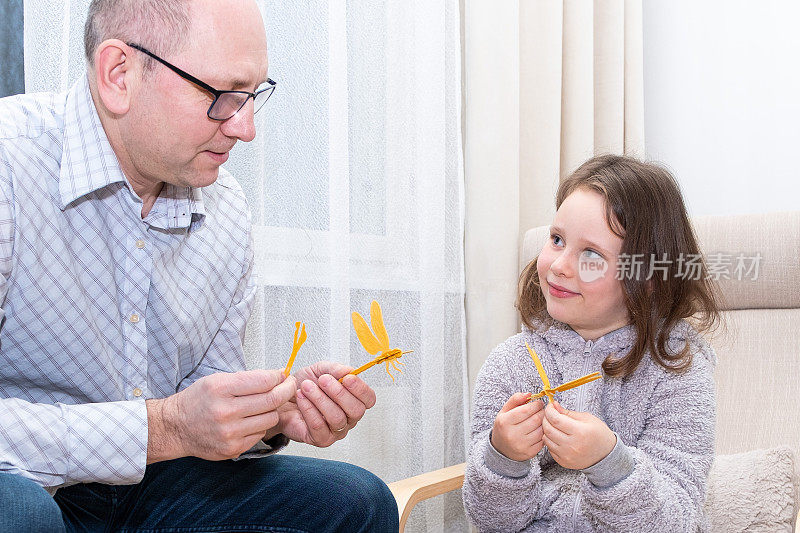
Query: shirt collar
[[177, 207], [88, 162]]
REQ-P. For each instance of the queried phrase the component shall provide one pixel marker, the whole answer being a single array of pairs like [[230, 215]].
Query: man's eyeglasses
[[226, 103]]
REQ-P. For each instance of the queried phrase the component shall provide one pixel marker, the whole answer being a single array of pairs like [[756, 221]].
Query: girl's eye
[[591, 254], [558, 241]]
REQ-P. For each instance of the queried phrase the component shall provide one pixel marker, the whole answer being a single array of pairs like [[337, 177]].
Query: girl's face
[[578, 265]]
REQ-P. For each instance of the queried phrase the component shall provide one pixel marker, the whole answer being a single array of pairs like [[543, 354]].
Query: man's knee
[[370, 502], [27, 507]]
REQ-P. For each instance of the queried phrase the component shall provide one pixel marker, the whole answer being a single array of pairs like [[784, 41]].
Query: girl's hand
[[517, 431], [576, 440]]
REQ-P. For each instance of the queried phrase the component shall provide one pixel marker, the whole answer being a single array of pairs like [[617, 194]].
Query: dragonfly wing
[[376, 317], [298, 342], [539, 367], [365, 336]]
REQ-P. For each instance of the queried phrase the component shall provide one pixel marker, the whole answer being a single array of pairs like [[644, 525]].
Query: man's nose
[[242, 124]]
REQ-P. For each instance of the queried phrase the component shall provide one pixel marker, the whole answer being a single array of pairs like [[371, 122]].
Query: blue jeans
[[280, 493]]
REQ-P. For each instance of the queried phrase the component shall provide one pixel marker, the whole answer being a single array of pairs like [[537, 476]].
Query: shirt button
[[137, 392], [134, 318], [140, 244]]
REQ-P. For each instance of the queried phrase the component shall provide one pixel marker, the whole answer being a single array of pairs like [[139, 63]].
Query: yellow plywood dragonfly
[[379, 342], [547, 390]]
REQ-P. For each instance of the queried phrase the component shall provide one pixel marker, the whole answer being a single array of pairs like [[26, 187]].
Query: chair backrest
[[758, 350]]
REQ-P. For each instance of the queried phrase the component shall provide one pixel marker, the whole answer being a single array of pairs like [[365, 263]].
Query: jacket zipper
[[587, 351]]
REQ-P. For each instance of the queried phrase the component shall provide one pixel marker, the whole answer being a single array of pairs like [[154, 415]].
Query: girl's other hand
[[576, 440], [517, 431]]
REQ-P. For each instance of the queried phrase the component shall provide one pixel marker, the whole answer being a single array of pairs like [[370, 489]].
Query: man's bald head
[[161, 26], [157, 121]]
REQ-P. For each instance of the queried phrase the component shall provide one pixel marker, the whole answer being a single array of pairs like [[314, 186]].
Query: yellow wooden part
[[567, 386], [365, 336], [374, 343], [296, 344], [387, 371], [539, 367], [388, 355], [365, 366], [578, 382], [385, 357], [542, 374], [547, 390], [376, 318], [409, 492]]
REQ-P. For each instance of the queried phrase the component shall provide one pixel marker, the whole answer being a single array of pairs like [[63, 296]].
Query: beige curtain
[[547, 84]]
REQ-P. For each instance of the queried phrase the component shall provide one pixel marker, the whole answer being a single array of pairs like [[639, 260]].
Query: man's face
[[168, 136]]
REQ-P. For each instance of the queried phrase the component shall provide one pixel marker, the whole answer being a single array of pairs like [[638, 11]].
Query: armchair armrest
[[410, 491]]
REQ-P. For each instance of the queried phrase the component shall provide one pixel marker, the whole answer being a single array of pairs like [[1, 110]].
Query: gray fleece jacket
[[655, 477]]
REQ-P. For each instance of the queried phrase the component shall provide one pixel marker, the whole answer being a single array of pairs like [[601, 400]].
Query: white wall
[[722, 101]]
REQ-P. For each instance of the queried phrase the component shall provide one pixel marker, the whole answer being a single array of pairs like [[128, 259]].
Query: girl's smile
[[560, 292]]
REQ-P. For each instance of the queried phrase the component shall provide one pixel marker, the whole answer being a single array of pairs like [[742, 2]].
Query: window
[[12, 79]]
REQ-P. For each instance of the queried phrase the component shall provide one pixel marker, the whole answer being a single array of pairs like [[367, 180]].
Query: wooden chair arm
[[410, 491]]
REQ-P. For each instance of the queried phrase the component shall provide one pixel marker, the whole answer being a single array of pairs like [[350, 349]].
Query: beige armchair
[[758, 369]]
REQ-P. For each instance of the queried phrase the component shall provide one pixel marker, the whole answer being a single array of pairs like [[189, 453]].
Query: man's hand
[[517, 431], [324, 410], [218, 417], [576, 440]]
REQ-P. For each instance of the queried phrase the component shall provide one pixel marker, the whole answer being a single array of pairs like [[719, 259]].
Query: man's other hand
[[324, 410]]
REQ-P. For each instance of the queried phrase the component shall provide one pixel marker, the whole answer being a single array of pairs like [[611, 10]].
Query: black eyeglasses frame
[[215, 92]]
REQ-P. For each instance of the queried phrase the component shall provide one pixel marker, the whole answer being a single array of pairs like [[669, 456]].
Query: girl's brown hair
[[645, 208]]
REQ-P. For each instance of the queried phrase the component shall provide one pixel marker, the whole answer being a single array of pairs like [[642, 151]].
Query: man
[[125, 286]]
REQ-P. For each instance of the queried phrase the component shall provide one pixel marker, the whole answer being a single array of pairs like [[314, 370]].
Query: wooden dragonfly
[[300, 337], [550, 392], [377, 342]]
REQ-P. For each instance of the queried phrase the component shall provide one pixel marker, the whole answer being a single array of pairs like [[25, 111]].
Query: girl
[[612, 289]]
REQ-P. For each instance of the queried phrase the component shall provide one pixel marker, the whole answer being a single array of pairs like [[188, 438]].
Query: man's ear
[[115, 74]]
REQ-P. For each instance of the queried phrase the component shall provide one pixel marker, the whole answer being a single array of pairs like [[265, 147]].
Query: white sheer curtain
[[548, 84], [356, 187]]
